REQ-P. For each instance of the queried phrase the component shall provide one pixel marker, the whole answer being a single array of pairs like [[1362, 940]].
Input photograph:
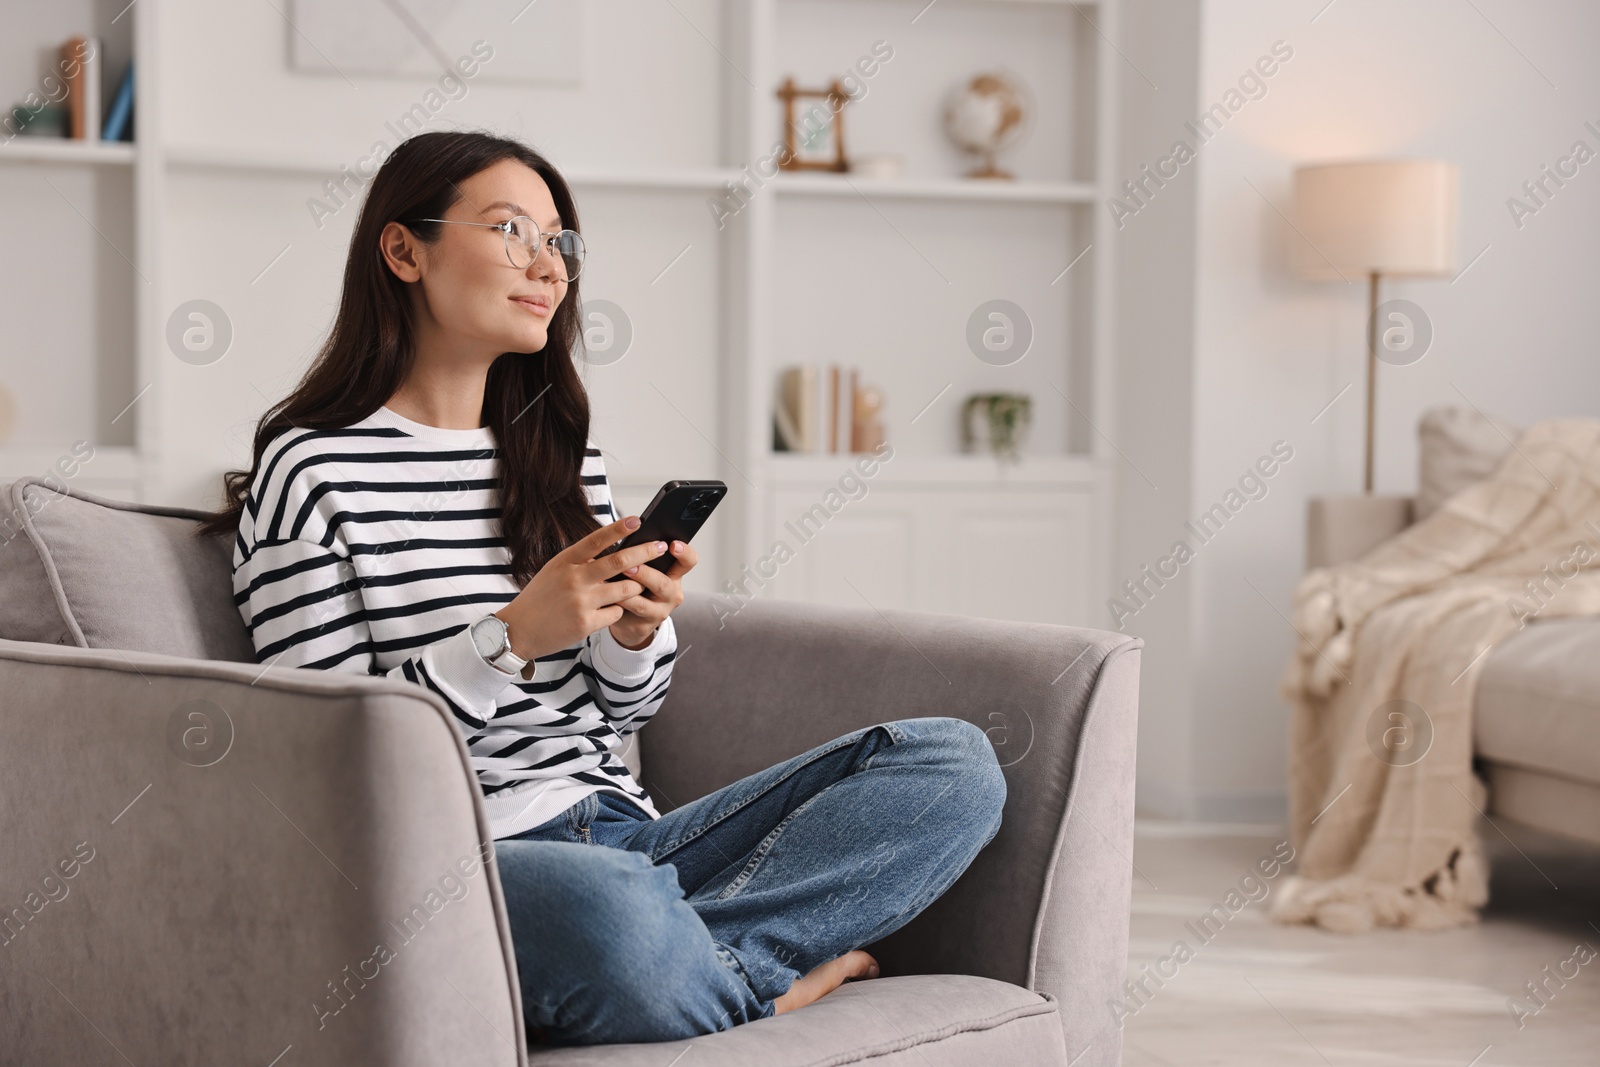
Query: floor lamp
[[1394, 218]]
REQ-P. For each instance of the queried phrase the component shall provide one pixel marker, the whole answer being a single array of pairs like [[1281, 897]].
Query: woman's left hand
[[663, 593]]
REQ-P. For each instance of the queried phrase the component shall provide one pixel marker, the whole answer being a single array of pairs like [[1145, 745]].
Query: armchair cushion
[[1538, 700], [911, 1021], [85, 570]]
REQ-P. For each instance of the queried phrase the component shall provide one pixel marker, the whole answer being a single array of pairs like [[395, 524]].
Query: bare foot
[[825, 979]]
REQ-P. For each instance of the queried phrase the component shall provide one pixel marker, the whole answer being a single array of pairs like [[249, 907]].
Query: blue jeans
[[699, 920]]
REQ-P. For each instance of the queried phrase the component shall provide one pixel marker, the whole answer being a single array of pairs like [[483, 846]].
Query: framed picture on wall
[[813, 127]]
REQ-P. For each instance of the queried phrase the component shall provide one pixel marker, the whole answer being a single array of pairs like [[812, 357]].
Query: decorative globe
[[983, 117]]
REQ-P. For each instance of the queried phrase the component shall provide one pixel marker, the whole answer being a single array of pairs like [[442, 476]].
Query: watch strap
[[509, 661]]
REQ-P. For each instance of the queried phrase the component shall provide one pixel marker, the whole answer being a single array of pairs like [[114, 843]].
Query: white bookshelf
[[932, 503], [937, 529], [72, 370], [52, 150]]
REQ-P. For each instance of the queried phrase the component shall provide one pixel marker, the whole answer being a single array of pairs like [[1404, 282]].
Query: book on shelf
[[119, 119], [80, 63], [832, 409], [72, 108], [845, 392], [794, 413], [825, 409]]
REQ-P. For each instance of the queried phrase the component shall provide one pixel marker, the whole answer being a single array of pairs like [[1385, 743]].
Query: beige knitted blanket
[[1383, 803]]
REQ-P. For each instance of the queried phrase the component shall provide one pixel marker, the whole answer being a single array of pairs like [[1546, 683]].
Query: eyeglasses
[[523, 238]]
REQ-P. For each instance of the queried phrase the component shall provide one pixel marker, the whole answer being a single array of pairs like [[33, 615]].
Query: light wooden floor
[[1260, 993]]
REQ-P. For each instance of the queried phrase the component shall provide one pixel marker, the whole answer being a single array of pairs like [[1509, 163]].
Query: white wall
[[1427, 78], [1155, 408], [649, 97]]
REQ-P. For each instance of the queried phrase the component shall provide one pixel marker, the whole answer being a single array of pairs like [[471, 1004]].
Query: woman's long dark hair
[[372, 345]]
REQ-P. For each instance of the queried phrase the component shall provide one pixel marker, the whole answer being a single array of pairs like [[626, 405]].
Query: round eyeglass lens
[[568, 244]]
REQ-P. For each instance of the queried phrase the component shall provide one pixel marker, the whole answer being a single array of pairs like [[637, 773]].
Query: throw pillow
[[1457, 447]]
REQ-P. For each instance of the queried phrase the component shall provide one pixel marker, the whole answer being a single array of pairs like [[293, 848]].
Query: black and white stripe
[[372, 549]]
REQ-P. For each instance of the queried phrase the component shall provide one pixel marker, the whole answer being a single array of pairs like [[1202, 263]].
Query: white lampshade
[[1390, 217]]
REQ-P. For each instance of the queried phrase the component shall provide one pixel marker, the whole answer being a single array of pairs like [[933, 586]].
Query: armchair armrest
[[241, 841], [1346, 527], [1046, 904]]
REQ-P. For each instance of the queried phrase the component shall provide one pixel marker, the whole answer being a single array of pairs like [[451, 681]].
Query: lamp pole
[[1372, 371]]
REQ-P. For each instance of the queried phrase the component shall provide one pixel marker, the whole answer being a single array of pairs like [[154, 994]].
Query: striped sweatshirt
[[373, 549]]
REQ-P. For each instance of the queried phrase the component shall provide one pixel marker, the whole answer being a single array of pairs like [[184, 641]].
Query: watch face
[[489, 636]]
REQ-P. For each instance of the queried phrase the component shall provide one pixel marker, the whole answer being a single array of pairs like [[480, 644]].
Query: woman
[[428, 504]]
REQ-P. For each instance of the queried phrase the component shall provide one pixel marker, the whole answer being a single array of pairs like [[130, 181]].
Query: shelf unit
[[1070, 471], [927, 529], [121, 416]]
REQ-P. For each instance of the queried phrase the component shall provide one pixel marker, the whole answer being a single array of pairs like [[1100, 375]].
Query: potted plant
[[997, 422]]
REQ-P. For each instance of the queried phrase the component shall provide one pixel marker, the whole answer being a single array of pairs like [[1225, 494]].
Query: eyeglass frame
[[505, 234]]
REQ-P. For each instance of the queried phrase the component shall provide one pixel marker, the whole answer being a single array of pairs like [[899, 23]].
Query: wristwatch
[[492, 638]]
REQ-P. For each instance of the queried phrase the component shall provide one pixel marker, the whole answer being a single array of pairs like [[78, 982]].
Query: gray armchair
[[214, 860]]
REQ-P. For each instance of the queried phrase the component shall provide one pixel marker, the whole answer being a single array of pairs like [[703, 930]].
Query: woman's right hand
[[570, 598]]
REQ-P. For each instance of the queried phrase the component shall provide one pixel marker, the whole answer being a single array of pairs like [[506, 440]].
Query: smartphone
[[678, 511]]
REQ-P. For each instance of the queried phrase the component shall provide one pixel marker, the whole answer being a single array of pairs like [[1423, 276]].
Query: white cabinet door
[[864, 555], [1025, 554]]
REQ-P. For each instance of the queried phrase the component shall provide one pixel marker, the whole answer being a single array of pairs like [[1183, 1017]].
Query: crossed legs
[[706, 917]]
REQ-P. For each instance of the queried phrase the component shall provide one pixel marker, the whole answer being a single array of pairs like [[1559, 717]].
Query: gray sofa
[[209, 860], [1536, 710]]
